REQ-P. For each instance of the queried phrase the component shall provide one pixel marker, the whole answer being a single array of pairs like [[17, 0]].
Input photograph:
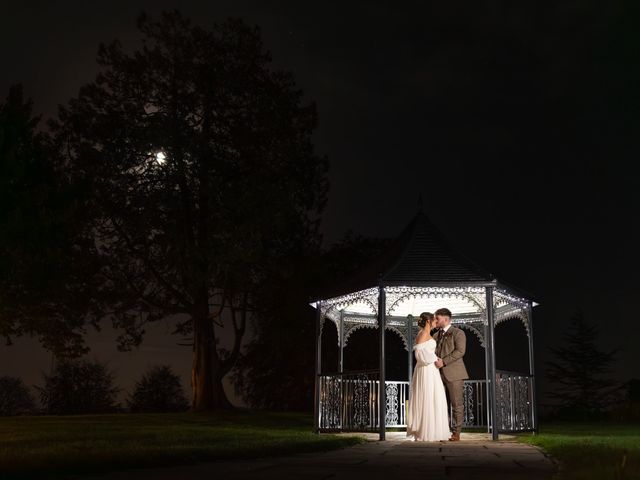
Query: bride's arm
[[430, 357]]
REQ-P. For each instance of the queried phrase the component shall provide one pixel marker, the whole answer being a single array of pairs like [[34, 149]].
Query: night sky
[[517, 125]]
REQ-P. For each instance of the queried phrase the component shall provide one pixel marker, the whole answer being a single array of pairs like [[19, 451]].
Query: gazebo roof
[[421, 271], [420, 255], [423, 254]]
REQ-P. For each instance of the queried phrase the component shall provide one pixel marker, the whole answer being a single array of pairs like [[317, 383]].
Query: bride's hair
[[424, 318]]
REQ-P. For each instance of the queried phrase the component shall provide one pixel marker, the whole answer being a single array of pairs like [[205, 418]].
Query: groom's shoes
[[455, 437]]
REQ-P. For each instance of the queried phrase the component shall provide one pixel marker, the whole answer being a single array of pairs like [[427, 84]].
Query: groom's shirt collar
[[446, 328]]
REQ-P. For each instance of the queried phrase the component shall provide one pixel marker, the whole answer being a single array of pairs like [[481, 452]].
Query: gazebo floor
[[402, 436], [474, 458]]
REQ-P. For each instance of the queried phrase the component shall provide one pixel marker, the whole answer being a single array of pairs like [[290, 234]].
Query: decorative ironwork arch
[[355, 327], [474, 330], [397, 295], [337, 325], [324, 309], [512, 315], [408, 296], [478, 300], [401, 335], [368, 296]]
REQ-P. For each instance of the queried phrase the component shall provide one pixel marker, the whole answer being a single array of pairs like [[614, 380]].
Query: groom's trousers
[[454, 389]]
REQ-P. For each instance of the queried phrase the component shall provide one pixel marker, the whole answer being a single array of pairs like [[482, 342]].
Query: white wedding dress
[[427, 414]]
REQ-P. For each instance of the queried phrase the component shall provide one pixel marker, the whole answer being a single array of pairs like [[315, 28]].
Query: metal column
[[534, 404], [487, 362], [492, 364], [382, 390], [341, 339], [316, 403], [410, 348]]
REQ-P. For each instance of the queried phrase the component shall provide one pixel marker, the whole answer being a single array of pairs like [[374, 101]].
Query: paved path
[[475, 457]]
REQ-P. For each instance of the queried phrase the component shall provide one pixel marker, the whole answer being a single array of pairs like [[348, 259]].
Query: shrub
[[15, 397], [78, 387], [159, 390]]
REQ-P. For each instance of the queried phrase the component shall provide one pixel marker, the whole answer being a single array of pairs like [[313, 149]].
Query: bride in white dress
[[427, 415]]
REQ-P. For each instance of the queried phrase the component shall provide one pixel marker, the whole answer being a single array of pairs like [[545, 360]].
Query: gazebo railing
[[514, 396], [349, 402], [474, 398]]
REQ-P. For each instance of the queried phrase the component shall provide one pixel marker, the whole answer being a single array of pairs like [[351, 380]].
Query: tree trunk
[[206, 372]]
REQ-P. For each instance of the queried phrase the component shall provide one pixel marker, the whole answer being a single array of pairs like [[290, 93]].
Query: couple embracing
[[439, 363]]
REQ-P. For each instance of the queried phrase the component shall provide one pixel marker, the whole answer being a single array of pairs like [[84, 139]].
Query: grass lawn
[[591, 450], [56, 445]]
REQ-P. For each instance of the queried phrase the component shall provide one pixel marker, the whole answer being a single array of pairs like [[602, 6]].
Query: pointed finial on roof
[[420, 204]]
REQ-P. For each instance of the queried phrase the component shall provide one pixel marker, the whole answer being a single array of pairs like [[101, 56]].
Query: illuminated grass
[[58, 445], [591, 450]]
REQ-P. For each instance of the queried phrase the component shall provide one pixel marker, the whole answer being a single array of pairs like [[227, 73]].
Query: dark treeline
[[83, 387]]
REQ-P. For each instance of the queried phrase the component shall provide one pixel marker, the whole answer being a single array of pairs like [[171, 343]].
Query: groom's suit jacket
[[451, 347]]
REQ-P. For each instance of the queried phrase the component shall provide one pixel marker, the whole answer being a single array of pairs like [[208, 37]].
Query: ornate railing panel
[[330, 402], [360, 406], [397, 396], [514, 401], [349, 402], [474, 397]]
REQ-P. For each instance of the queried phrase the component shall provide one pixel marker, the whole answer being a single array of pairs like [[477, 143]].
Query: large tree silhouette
[[204, 178], [581, 371]]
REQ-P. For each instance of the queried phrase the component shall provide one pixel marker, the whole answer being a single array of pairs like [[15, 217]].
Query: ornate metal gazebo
[[421, 271]]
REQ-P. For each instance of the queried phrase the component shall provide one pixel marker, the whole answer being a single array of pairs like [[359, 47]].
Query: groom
[[451, 343]]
